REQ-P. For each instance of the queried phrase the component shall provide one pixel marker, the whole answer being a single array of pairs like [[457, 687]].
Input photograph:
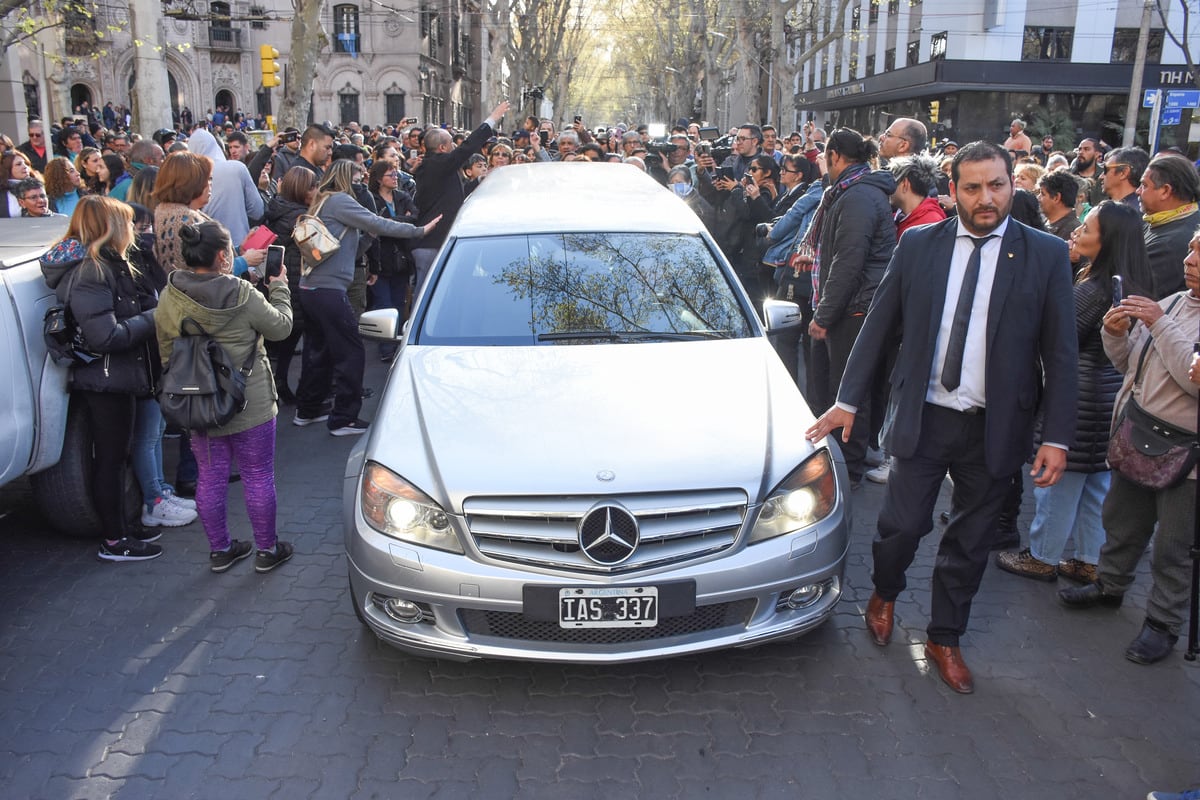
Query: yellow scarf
[[1162, 217]]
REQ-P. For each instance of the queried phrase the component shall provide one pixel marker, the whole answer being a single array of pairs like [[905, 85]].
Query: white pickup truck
[[42, 433]]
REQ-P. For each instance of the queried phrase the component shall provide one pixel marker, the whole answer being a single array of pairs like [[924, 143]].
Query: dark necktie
[[956, 347]]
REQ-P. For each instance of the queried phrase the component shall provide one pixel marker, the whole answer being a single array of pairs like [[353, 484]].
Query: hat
[[949, 143]]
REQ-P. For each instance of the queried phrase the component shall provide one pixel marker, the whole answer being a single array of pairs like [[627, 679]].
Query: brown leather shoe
[[951, 667], [879, 619]]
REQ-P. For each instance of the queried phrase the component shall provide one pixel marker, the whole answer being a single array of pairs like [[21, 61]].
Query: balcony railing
[[224, 38]]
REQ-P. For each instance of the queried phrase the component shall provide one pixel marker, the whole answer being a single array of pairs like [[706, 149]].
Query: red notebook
[[258, 238]]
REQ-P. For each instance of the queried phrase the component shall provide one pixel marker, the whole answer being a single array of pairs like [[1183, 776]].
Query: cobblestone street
[[163, 680]]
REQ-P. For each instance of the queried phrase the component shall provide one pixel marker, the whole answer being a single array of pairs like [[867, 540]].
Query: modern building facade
[[968, 68], [378, 64]]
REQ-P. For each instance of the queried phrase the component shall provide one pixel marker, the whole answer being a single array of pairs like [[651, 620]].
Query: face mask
[[681, 189]]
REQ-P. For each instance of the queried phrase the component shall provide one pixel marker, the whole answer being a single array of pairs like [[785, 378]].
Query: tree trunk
[[307, 40]]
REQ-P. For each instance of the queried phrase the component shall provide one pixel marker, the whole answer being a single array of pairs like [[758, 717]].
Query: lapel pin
[[1010, 255]]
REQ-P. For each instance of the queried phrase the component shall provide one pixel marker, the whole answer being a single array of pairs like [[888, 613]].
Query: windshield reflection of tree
[[635, 282]]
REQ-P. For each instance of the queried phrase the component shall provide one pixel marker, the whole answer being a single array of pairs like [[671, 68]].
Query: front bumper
[[473, 608]]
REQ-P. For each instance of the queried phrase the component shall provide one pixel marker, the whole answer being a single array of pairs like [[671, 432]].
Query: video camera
[[719, 149]]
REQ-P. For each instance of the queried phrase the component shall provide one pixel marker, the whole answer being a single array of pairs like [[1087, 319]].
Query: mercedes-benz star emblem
[[608, 534]]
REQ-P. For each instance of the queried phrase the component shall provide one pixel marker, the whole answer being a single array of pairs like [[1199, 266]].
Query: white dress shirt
[[972, 390]]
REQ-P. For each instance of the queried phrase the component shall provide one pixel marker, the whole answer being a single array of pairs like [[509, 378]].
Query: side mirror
[[780, 314], [381, 325]]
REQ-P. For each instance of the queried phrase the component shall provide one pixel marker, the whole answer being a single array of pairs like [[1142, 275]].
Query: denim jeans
[[389, 291], [146, 453], [1070, 509]]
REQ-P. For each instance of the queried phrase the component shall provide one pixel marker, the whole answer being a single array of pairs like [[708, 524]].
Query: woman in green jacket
[[237, 316]]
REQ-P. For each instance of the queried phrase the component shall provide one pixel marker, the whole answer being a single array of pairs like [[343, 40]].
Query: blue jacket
[[792, 225]]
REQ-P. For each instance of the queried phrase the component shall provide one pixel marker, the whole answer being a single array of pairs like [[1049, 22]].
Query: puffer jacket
[[389, 256], [857, 240], [281, 220], [1098, 381], [105, 302], [237, 316]]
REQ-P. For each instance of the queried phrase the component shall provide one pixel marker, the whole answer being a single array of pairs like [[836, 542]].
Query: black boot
[[1089, 596], [1153, 644]]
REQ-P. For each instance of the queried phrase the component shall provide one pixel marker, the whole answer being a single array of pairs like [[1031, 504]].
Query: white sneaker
[[167, 514], [182, 502], [880, 473], [874, 457]]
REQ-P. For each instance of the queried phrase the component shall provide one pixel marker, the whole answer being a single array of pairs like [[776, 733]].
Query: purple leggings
[[255, 453]]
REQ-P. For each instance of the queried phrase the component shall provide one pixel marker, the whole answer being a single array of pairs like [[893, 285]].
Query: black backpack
[[200, 388]]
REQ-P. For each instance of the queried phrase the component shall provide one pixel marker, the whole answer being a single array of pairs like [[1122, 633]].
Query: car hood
[[469, 421]]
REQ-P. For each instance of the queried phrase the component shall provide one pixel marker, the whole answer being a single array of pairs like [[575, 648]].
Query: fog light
[[805, 596], [404, 611]]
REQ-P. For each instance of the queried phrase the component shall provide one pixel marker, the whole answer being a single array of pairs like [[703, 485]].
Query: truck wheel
[[63, 492]]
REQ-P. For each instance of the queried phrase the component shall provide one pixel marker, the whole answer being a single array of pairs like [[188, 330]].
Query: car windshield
[[581, 288]]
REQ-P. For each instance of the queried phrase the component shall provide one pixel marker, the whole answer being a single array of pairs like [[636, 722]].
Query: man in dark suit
[[965, 389]]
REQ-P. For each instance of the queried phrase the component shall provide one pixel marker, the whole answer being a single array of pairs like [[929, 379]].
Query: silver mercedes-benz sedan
[[587, 449]]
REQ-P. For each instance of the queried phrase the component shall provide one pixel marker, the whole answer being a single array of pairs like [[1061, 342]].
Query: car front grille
[[510, 625], [544, 531]]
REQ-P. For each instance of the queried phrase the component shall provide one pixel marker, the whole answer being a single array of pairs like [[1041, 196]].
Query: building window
[[856, 18], [837, 73], [258, 18], [893, 7], [394, 102], [889, 60], [345, 29], [1047, 44], [873, 11], [912, 55], [1124, 46], [348, 107], [937, 46], [870, 65]]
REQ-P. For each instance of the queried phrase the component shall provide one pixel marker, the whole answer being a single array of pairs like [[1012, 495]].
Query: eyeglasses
[[889, 134], [744, 138], [755, 169], [391, 174], [1110, 168]]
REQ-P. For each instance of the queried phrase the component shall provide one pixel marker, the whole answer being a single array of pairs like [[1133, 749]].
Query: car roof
[[23, 239], [570, 197]]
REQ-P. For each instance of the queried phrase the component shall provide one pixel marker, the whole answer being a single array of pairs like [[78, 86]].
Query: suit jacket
[[1031, 325]]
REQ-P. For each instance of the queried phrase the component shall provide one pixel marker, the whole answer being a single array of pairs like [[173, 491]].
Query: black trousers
[[111, 415], [839, 340], [952, 442], [333, 356]]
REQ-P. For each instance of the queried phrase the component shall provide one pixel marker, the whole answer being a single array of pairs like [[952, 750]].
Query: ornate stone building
[[376, 64]]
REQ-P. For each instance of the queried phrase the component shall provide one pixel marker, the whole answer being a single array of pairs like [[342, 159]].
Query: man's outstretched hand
[[830, 421]]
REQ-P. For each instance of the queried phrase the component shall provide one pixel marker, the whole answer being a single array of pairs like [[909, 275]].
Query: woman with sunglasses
[[390, 261]]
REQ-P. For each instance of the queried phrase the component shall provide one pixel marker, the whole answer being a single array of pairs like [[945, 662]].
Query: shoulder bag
[[1147, 451], [313, 239]]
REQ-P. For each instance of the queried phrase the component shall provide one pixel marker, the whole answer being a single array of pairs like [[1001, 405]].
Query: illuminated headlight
[[393, 506], [804, 498]]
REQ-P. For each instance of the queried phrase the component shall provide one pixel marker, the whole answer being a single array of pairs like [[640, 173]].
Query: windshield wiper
[[626, 336]]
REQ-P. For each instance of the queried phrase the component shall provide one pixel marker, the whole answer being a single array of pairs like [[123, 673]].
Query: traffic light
[[270, 67], [934, 107]]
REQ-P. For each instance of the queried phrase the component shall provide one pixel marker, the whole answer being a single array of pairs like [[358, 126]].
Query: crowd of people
[[993, 263]]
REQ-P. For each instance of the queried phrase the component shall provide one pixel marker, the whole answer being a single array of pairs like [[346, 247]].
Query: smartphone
[[290, 136], [1118, 290], [725, 172], [545, 137], [578, 118], [273, 265], [410, 121]]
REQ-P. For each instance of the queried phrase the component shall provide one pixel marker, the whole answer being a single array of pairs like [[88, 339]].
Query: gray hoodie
[[235, 199], [345, 217]]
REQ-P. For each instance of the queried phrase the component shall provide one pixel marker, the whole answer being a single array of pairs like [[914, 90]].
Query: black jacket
[[440, 187], [857, 240], [390, 256], [281, 221], [1098, 381], [113, 316]]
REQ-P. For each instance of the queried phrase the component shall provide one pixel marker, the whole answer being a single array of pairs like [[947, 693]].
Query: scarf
[[812, 239], [1163, 217]]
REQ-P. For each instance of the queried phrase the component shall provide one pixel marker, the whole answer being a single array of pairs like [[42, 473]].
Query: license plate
[[608, 607]]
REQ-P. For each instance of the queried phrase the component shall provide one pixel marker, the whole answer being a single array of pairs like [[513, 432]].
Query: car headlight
[[804, 498], [393, 506]]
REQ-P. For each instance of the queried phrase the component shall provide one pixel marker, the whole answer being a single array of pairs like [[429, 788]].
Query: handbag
[[1147, 451], [314, 241], [200, 387], [64, 341]]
